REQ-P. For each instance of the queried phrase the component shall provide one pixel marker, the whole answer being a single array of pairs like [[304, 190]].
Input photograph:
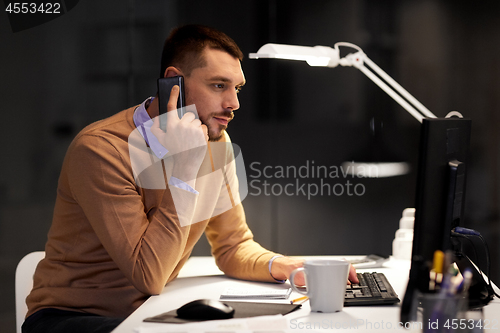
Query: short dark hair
[[184, 47]]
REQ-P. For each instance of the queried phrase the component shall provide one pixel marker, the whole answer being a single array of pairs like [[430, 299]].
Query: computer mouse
[[205, 309]]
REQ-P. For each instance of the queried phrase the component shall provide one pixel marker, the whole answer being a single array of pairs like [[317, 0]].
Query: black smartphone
[[165, 85]]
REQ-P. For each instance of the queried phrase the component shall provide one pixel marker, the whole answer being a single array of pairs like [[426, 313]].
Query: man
[[113, 243]]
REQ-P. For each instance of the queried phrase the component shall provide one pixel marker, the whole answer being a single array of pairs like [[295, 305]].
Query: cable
[[346, 44], [488, 264], [465, 232], [456, 234]]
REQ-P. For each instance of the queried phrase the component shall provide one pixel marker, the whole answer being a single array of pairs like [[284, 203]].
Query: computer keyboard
[[373, 289]]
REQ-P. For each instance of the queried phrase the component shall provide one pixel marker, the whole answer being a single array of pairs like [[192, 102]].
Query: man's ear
[[172, 71]]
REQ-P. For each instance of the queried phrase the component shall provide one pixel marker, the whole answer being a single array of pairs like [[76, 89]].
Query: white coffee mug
[[326, 282]]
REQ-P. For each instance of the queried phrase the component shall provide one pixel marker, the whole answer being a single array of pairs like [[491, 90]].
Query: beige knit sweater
[[112, 244]]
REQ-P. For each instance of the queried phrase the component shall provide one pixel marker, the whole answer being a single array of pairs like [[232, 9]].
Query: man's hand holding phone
[[185, 138]]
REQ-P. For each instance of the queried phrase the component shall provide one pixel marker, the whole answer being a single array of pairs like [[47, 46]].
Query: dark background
[[103, 56]]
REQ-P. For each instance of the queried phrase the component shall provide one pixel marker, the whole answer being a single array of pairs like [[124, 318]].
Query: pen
[[448, 288], [466, 281], [448, 260], [436, 274], [437, 264], [300, 299]]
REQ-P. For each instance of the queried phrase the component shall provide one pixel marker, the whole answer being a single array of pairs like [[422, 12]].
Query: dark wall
[[103, 56]]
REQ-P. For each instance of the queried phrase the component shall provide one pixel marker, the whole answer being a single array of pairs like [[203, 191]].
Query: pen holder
[[441, 313]]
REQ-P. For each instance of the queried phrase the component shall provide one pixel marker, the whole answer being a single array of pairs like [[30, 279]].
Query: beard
[[216, 131]]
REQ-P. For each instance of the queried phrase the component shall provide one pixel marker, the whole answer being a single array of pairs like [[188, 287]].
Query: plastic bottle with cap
[[403, 241]]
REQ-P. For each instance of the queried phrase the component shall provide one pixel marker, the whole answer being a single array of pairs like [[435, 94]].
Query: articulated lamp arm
[[324, 56]]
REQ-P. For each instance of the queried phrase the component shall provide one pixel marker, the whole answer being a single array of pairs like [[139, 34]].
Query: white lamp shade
[[322, 56]]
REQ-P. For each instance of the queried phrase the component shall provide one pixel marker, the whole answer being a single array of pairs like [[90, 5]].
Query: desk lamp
[[441, 178], [324, 56]]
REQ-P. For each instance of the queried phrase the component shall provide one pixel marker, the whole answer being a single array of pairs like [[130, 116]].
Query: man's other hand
[[282, 267]]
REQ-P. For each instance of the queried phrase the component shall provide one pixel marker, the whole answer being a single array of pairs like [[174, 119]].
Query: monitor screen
[[440, 196]]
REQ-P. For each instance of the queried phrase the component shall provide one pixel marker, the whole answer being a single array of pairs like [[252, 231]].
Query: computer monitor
[[440, 196]]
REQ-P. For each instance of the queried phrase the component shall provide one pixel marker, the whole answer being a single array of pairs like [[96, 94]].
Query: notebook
[[248, 293]]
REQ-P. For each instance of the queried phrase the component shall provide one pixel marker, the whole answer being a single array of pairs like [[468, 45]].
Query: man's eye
[[219, 85], [238, 89]]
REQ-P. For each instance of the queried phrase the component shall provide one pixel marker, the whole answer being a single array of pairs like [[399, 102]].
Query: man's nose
[[231, 101]]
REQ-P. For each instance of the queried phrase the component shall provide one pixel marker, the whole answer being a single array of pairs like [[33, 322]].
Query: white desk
[[200, 278]]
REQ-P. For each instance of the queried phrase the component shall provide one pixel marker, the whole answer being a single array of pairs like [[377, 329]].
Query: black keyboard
[[373, 289]]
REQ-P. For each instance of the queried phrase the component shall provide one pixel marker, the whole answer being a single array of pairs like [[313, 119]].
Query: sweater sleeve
[[233, 246], [235, 251], [101, 181]]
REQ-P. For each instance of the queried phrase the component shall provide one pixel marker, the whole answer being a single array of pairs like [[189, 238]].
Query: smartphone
[[165, 85]]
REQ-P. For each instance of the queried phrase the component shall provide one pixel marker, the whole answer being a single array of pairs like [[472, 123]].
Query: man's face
[[214, 90]]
